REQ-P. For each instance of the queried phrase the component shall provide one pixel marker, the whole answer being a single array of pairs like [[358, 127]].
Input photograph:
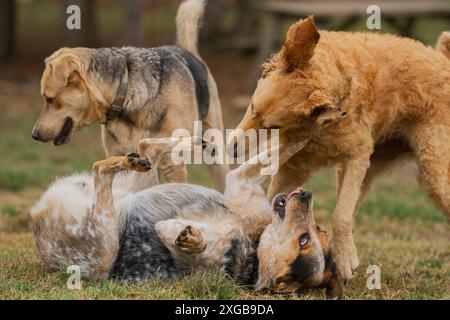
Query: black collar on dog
[[115, 109]]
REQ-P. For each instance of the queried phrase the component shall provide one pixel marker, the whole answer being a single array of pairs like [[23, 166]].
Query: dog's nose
[[305, 196], [35, 135]]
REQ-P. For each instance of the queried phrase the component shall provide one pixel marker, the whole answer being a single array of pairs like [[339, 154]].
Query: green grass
[[9, 210], [411, 269]]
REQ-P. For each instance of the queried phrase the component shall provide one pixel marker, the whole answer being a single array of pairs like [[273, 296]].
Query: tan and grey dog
[[107, 227], [135, 93]]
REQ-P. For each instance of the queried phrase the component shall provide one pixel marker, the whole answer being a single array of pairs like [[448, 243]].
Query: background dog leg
[[172, 172], [159, 150], [244, 182], [343, 245], [214, 121]]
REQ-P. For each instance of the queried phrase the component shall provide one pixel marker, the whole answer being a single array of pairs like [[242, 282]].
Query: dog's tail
[[443, 44], [188, 19]]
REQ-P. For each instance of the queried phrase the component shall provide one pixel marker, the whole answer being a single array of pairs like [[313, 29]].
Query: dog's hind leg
[[245, 182], [431, 146]]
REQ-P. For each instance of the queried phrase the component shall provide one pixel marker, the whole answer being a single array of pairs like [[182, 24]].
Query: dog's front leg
[[103, 226], [159, 151], [343, 245]]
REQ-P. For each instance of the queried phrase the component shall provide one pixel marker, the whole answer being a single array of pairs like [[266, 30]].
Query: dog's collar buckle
[[116, 107]]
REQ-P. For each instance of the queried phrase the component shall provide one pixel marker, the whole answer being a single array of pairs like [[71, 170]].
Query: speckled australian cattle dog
[[111, 228]]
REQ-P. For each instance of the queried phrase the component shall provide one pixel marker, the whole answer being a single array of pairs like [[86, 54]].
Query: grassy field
[[398, 228]]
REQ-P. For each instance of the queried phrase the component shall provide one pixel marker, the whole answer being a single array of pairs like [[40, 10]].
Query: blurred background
[[236, 37]]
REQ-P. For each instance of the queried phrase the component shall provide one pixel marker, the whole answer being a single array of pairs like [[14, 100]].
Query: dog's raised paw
[[190, 240], [137, 163], [132, 155]]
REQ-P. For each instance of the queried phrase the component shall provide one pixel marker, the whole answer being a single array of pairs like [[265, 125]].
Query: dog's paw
[[135, 162], [346, 258], [190, 240]]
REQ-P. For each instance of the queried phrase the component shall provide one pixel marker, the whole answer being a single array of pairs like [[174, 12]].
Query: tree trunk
[[7, 30]]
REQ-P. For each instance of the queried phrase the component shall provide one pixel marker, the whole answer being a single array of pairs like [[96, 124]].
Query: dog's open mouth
[[64, 133], [279, 205]]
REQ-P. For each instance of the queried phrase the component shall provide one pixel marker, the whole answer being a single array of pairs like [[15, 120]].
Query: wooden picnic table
[[400, 14]]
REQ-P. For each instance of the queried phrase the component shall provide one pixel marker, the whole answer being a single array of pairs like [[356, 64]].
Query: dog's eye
[[49, 100], [303, 240], [319, 111], [282, 202]]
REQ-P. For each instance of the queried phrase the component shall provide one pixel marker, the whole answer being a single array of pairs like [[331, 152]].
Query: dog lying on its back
[[363, 101], [135, 93], [107, 227]]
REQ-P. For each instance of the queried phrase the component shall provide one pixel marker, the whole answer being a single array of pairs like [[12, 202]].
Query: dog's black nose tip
[[35, 135], [305, 196]]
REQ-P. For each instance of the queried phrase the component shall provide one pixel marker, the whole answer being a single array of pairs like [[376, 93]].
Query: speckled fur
[[109, 228]]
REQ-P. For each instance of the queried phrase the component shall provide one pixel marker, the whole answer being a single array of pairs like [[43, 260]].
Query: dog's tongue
[[295, 191]]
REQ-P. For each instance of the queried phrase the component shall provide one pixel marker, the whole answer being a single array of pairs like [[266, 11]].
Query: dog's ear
[[299, 45], [334, 289], [332, 283], [322, 110], [64, 70]]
